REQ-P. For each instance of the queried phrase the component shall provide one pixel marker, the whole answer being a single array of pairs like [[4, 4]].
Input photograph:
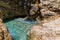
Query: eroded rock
[[4, 34], [52, 5], [47, 31], [46, 12]]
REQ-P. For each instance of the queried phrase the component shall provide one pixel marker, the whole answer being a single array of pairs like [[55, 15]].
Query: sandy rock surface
[[46, 31], [4, 34]]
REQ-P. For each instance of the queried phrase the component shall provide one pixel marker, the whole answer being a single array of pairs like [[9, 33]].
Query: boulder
[[47, 31]]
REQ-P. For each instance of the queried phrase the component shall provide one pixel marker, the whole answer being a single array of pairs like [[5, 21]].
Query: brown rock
[[4, 34], [46, 31], [52, 5], [46, 12]]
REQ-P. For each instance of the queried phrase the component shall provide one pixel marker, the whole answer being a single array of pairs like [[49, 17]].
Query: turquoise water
[[18, 28]]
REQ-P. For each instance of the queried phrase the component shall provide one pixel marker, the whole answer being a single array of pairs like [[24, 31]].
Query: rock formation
[[32, 8], [48, 8], [4, 34], [49, 30]]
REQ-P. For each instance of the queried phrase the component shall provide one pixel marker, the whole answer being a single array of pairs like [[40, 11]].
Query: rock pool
[[18, 28]]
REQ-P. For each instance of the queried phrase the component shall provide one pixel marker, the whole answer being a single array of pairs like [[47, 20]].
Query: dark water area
[[18, 27]]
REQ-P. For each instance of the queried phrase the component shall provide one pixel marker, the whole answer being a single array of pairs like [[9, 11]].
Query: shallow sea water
[[18, 28]]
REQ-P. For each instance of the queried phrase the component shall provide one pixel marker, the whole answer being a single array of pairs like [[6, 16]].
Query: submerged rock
[[4, 34], [47, 31]]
